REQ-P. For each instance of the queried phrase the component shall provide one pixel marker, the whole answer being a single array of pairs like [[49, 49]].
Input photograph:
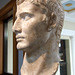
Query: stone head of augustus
[[36, 21]]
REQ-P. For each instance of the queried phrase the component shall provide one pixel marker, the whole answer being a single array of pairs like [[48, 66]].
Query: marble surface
[[38, 28]]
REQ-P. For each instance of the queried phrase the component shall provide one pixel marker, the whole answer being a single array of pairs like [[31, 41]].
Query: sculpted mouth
[[18, 38]]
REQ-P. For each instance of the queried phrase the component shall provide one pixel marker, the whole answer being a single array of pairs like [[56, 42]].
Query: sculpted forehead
[[27, 7], [24, 5]]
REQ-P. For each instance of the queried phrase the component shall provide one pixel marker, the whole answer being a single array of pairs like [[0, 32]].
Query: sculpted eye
[[26, 16]]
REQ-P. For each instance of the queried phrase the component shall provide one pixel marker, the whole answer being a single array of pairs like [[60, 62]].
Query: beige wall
[[69, 25]]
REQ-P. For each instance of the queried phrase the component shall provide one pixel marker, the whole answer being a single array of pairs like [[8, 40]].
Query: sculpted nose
[[16, 27]]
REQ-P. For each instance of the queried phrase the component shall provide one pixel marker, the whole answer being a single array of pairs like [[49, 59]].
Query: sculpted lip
[[18, 38]]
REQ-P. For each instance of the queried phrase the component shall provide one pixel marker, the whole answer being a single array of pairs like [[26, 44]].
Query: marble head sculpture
[[38, 28]]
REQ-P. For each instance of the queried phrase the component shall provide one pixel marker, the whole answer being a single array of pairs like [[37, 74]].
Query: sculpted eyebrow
[[21, 14]]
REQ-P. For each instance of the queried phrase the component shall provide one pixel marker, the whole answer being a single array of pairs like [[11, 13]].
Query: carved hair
[[55, 7]]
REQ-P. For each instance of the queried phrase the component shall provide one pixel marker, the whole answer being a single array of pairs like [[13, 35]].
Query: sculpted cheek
[[32, 36], [30, 33]]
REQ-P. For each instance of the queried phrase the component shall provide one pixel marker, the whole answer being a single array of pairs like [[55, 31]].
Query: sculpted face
[[30, 27]]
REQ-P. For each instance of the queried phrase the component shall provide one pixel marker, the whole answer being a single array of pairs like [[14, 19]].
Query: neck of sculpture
[[43, 61]]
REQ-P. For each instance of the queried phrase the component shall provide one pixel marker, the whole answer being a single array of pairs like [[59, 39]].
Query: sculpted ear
[[52, 21]]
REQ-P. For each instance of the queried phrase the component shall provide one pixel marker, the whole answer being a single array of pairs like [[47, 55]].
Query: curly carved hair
[[54, 6]]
